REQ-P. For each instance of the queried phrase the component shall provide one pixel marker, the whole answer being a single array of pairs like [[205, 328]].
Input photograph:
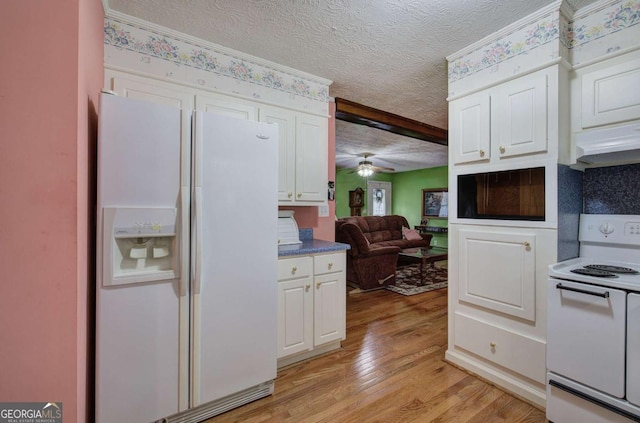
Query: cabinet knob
[[527, 245], [289, 195], [502, 150], [318, 285], [492, 345], [299, 194], [307, 286], [294, 269], [481, 153]]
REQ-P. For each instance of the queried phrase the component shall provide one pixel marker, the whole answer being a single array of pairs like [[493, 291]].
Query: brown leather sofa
[[375, 243]]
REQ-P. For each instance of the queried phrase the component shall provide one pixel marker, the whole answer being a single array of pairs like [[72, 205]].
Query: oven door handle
[[604, 294]]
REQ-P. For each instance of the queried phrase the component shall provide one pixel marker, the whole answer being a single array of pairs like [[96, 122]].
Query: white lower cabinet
[[497, 270], [311, 306], [509, 349], [497, 304]]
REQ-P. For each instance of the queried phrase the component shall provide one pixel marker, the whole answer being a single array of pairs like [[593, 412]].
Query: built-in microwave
[[517, 194]]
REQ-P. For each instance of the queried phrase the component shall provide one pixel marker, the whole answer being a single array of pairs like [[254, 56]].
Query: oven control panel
[[632, 229], [610, 229]]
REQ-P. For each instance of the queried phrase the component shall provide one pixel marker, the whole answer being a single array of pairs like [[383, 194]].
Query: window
[[379, 198]]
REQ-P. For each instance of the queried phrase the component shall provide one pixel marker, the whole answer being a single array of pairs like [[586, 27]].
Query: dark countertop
[[311, 246]]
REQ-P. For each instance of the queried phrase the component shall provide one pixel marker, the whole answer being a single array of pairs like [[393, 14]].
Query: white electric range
[[593, 325]]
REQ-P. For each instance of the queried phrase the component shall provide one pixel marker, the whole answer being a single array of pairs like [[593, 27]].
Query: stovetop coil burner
[[594, 272], [612, 269]]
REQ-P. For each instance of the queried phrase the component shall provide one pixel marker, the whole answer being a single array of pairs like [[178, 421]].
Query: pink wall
[[90, 81], [307, 217], [45, 192]]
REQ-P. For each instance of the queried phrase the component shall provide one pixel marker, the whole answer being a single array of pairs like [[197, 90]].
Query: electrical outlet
[[323, 211]]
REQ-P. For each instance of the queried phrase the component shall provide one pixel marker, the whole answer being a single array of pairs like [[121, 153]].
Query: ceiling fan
[[366, 168]]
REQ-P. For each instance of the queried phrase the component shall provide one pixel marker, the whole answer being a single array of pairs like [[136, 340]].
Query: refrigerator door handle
[[184, 241], [197, 245]]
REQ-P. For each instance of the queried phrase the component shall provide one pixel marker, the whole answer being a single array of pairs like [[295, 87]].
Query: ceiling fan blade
[[383, 169]]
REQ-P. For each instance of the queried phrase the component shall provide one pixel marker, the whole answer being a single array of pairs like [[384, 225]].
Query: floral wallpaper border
[[514, 44], [616, 18], [596, 25], [125, 36]]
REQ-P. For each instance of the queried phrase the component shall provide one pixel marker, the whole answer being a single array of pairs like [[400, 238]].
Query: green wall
[[346, 181], [407, 193], [407, 196]]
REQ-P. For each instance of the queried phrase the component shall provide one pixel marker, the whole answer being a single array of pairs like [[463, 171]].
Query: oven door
[[586, 335], [633, 349]]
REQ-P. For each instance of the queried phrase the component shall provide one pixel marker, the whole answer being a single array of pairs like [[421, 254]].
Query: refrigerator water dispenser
[[139, 245]]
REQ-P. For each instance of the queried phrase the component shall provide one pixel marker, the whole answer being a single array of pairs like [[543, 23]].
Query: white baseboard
[[529, 393], [286, 361]]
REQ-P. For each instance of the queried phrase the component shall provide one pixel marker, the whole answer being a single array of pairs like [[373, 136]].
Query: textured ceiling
[[386, 148], [386, 54]]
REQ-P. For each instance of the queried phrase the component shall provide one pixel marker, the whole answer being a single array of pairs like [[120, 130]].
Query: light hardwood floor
[[391, 368]]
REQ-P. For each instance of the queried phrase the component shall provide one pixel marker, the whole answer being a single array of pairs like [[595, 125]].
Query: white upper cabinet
[[303, 137], [505, 121], [311, 158], [303, 144], [521, 116], [149, 90], [303, 168], [286, 120], [470, 128], [611, 94], [227, 106]]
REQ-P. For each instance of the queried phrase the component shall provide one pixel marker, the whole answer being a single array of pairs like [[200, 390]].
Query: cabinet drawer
[[329, 263], [513, 351], [292, 268]]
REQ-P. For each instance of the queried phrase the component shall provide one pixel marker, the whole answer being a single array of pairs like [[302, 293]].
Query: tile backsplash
[[570, 203], [612, 190]]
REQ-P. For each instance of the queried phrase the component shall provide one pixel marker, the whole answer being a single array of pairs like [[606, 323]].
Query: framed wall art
[[435, 202]]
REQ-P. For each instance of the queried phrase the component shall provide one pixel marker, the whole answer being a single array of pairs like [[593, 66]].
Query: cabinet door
[[295, 316], [520, 114], [470, 128], [497, 271], [151, 90], [227, 106], [329, 308], [286, 121], [611, 95], [311, 158]]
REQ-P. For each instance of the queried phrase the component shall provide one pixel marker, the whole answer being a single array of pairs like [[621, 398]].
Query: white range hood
[[609, 146]]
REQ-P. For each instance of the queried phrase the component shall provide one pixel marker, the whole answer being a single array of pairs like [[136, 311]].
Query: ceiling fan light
[[365, 171]]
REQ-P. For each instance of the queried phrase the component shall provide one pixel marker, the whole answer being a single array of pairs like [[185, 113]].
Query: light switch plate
[[323, 211]]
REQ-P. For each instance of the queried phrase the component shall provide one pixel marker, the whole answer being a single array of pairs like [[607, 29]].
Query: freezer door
[[138, 324], [235, 262]]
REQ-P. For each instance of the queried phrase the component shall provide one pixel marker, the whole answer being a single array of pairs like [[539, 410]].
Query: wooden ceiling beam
[[365, 115]]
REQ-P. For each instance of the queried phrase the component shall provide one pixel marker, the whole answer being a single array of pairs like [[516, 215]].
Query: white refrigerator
[[186, 262]]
